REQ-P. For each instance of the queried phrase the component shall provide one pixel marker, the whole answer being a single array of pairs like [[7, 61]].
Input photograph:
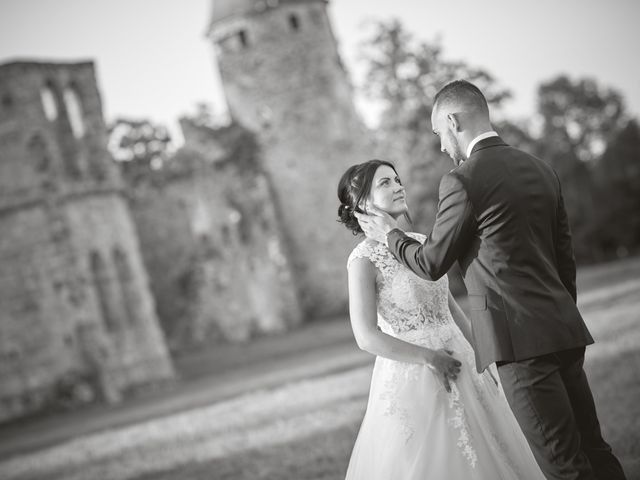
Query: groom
[[501, 217]]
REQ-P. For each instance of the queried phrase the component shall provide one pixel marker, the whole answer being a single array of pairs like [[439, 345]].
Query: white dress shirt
[[482, 136]]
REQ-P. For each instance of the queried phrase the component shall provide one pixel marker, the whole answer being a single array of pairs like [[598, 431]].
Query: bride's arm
[[460, 318], [362, 310]]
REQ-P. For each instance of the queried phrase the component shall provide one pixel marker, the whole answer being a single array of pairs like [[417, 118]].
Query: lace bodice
[[409, 307]]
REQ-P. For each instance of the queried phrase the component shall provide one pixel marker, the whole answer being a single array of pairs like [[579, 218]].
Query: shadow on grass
[[318, 457]]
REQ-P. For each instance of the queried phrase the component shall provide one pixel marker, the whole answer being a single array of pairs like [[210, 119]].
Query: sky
[[154, 61]]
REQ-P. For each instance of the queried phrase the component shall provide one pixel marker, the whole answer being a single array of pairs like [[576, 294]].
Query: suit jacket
[[501, 216]]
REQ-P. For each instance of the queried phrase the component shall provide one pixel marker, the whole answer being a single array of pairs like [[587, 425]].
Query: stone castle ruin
[[236, 237], [213, 243], [73, 289]]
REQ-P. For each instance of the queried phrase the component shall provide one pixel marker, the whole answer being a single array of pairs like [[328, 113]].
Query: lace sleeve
[[361, 251], [378, 254]]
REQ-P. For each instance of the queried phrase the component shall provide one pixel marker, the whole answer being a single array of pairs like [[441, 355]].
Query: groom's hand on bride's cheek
[[383, 221], [369, 227], [376, 224], [363, 221]]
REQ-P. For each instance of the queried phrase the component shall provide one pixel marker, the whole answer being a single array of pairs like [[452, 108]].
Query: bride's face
[[387, 192]]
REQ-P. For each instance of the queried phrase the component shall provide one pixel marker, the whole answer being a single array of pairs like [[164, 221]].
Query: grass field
[[306, 429]]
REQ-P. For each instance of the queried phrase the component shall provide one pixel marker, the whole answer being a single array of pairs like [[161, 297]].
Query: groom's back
[[520, 271], [515, 197]]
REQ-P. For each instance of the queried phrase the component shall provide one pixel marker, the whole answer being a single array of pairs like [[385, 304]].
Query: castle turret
[[74, 296], [283, 79]]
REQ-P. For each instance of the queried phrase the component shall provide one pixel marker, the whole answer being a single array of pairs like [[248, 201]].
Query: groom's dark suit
[[502, 218]]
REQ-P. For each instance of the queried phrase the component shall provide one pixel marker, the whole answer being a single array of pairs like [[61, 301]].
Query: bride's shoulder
[[365, 249]]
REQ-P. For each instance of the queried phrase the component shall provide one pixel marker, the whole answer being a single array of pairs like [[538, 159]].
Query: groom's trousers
[[552, 402]]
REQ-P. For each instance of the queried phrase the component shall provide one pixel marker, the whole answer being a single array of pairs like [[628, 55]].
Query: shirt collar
[[482, 136]]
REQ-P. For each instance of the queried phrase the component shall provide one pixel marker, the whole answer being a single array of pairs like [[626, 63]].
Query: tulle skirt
[[414, 429]]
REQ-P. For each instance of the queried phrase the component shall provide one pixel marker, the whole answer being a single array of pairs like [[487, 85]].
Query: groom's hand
[[376, 224]]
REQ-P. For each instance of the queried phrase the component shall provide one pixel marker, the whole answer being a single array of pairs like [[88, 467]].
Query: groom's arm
[[452, 232]]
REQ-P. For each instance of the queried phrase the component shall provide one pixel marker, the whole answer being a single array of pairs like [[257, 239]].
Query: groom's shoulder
[[462, 172], [493, 158], [487, 165], [456, 180], [481, 164]]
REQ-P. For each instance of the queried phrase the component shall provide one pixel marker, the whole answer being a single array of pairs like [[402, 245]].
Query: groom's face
[[445, 130]]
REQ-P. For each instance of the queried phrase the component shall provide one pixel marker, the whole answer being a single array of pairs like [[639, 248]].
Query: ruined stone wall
[[284, 80], [74, 299], [212, 243]]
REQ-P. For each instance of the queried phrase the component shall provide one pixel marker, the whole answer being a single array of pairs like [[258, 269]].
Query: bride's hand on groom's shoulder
[[445, 366], [376, 223]]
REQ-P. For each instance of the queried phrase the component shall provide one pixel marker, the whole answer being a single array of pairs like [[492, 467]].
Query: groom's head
[[460, 113]]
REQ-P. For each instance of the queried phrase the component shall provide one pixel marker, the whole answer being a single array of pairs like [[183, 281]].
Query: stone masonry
[[74, 296], [212, 242]]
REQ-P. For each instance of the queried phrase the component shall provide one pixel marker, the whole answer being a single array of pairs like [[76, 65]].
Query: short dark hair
[[461, 92], [354, 187]]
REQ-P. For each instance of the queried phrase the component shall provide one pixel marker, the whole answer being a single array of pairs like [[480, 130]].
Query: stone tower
[[74, 299], [284, 80]]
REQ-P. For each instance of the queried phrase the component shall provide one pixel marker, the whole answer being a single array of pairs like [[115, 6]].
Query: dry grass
[[305, 430]]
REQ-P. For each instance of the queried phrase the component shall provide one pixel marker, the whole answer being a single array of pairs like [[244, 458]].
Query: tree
[[578, 120], [579, 116], [617, 176], [405, 75], [139, 146]]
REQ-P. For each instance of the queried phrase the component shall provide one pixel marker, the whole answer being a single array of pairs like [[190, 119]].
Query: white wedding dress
[[413, 428]]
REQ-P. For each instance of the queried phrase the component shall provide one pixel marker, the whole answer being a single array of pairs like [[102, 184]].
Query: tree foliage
[[580, 120], [617, 178], [139, 146], [579, 116]]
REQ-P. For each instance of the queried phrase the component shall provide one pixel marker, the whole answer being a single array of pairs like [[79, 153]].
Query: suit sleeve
[[564, 248], [452, 233]]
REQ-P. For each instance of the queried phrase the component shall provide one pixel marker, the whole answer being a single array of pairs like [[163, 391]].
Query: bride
[[429, 414]]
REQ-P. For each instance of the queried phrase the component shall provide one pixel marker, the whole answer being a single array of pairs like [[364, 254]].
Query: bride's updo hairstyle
[[354, 189]]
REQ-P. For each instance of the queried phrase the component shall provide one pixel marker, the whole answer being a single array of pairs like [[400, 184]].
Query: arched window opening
[[294, 23], [126, 284], [49, 103], [243, 38], [105, 293], [74, 111], [38, 153]]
